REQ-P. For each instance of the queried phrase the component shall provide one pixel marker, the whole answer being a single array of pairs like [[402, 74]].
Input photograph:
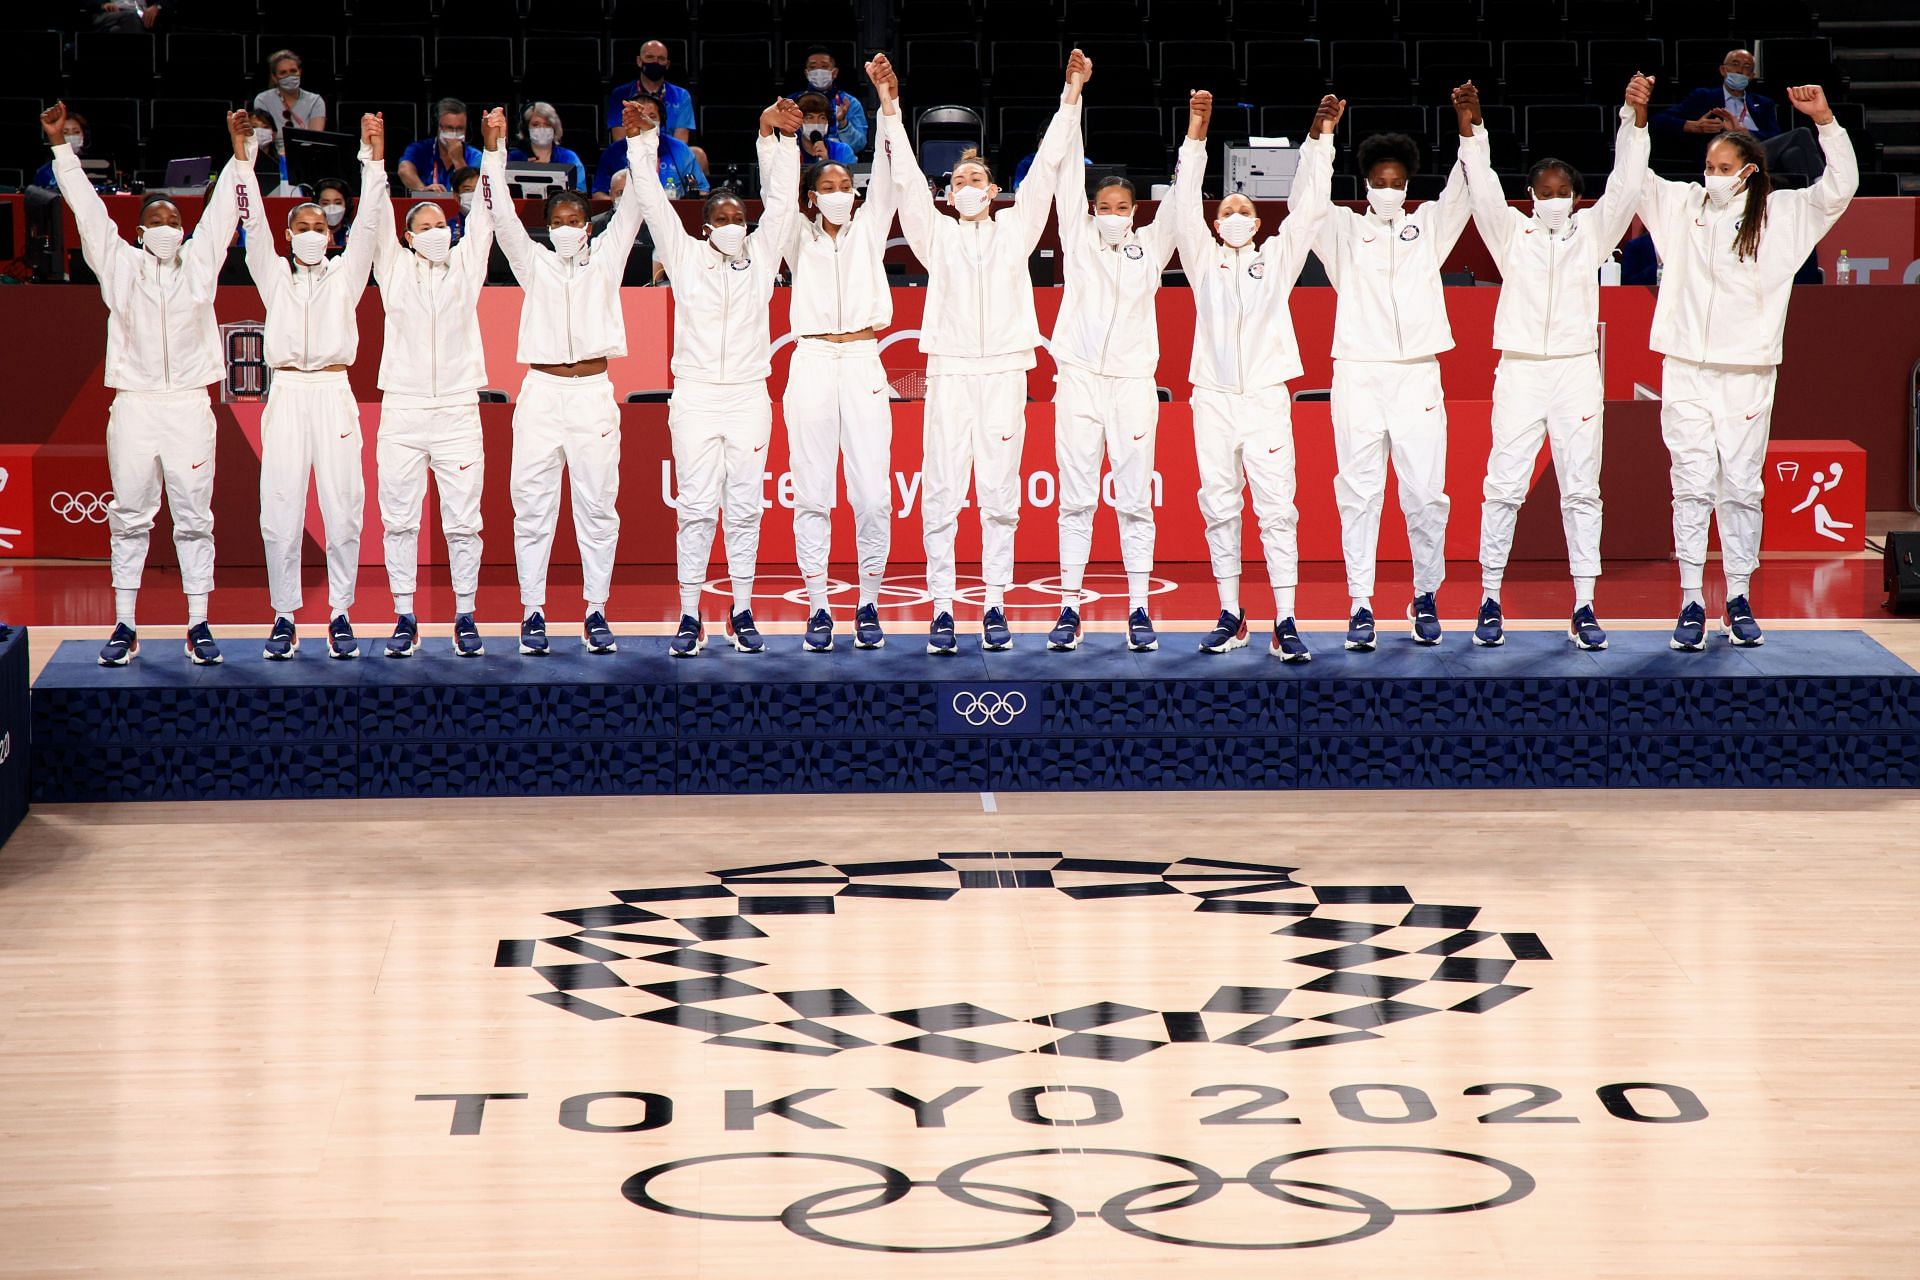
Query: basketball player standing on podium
[[163, 351], [978, 334]]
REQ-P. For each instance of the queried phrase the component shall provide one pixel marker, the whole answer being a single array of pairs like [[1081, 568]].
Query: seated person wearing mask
[[817, 142], [429, 164], [284, 100], [540, 131], [847, 118], [333, 197]]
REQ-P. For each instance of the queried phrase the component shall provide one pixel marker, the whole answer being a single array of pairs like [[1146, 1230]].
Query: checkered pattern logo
[[1346, 961]]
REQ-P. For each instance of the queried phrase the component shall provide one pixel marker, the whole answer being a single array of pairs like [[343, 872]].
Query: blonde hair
[[972, 156]]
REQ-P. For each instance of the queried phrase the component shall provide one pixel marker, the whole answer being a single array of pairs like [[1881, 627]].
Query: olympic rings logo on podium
[[81, 508], [989, 707], [1123, 1211]]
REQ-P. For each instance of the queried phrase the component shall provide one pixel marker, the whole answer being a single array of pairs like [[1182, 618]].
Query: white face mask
[[835, 206], [568, 241], [434, 245], [335, 214], [1554, 212], [819, 78], [969, 200], [162, 242], [76, 141], [263, 138], [452, 137], [466, 202], [1386, 201], [1236, 229], [727, 239], [289, 84], [1721, 187], [813, 131], [309, 247], [1113, 226], [540, 136]]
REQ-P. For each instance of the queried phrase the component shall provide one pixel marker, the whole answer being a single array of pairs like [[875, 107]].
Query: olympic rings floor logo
[[81, 508], [1341, 962], [989, 707], [1137, 1211]]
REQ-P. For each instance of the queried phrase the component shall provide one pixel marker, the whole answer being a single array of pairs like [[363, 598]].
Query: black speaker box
[[1902, 575]]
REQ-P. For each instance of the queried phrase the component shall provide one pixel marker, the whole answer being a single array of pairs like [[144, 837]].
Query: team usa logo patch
[[1133, 251], [1304, 965], [741, 264], [1258, 270], [1410, 232]]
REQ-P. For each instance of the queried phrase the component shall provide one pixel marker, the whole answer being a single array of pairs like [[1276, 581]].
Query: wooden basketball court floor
[[1676, 1038]]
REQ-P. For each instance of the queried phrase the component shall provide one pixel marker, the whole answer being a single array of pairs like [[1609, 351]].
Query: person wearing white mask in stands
[[568, 417], [163, 350], [1106, 402], [1737, 242], [1244, 353], [838, 405], [979, 336], [312, 423], [720, 418], [1546, 327], [1389, 328], [431, 370]]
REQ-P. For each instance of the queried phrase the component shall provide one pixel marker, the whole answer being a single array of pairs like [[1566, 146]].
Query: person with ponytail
[[1548, 383], [1244, 353], [838, 406], [1731, 245]]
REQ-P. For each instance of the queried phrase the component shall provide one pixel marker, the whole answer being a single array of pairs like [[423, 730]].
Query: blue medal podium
[[1810, 709]]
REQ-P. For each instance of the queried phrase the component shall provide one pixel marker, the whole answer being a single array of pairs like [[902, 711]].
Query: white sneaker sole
[[1284, 656], [1487, 644], [1573, 638], [1678, 647], [1069, 647], [199, 661], [591, 647], [1148, 647], [996, 648], [1235, 642], [943, 650], [271, 656], [1741, 644], [881, 643], [694, 652], [535, 653], [742, 648], [407, 652], [458, 652], [1362, 646], [338, 656], [811, 647]]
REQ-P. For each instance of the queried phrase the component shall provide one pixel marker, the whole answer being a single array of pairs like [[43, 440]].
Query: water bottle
[[1843, 270]]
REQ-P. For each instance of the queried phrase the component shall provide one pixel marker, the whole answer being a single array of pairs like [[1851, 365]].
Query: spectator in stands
[[1733, 105], [132, 17], [541, 131], [848, 117], [466, 182], [76, 135], [816, 139], [335, 201], [269, 160], [680, 174], [676, 102], [290, 106], [429, 163]]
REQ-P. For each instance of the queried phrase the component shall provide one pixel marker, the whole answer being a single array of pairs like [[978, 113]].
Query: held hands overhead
[[1199, 113], [1327, 118], [493, 128], [373, 132], [1810, 100], [886, 82], [633, 120], [240, 128], [1466, 108], [1079, 71], [1639, 93], [783, 116]]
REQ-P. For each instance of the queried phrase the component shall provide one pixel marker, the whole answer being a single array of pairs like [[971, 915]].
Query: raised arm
[[1446, 217], [671, 243], [1189, 220], [1822, 204], [883, 198], [99, 237], [779, 158], [1613, 211], [365, 237], [1488, 203], [234, 196], [917, 214], [1032, 201], [1311, 196], [495, 194]]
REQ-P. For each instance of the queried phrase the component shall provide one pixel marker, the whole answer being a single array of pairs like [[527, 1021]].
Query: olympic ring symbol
[[81, 508], [980, 709], [1120, 1211]]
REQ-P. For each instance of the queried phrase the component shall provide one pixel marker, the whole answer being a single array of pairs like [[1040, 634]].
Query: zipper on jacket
[[1239, 328], [1113, 316], [1553, 266], [1713, 291], [166, 347], [433, 329], [726, 317], [839, 298], [566, 306], [980, 293], [1393, 293]]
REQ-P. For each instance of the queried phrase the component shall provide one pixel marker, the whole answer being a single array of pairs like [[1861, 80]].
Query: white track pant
[[1382, 408], [1716, 420], [571, 424], [311, 424], [1246, 442], [445, 440], [1557, 399], [976, 426], [160, 443], [839, 409], [1115, 417], [720, 432]]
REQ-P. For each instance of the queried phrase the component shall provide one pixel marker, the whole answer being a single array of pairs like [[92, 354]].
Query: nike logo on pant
[[609, 431], [1141, 436], [345, 434], [1590, 417], [196, 466], [1005, 439], [465, 465], [1752, 416], [1430, 408]]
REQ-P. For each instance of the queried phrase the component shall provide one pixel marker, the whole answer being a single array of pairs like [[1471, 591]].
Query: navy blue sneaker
[[1140, 636], [533, 635], [282, 642], [1585, 629], [1287, 644], [1065, 635], [120, 646], [200, 646], [1360, 636], [819, 637], [405, 640], [1490, 630], [745, 636], [340, 641], [1740, 626], [866, 628], [1228, 634], [597, 635], [940, 637], [995, 636], [689, 639], [1425, 617], [1690, 633], [466, 637]]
